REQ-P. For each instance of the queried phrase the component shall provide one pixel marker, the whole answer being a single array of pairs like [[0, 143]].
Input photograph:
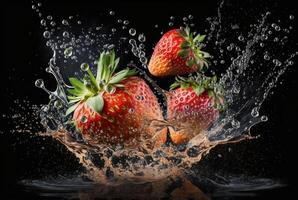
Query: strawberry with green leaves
[[113, 107], [178, 52], [193, 104]]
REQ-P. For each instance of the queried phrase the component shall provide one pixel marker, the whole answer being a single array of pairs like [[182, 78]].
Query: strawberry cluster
[[119, 107]]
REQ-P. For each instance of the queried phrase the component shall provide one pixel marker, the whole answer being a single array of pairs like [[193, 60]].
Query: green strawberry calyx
[[200, 84], [92, 88], [191, 49]]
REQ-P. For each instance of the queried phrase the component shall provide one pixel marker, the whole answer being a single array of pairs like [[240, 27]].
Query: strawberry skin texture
[[165, 60], [126, 114], [190, 113]]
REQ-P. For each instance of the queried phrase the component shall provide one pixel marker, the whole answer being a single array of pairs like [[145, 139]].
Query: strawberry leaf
[[119, 76], [185, 44], [193, 44], [198, 90], [71, 109], [199, 38], [74, 101], [183, 53], [100, 67], [190, 62], [75, 92], [76, 83], [96, 103]]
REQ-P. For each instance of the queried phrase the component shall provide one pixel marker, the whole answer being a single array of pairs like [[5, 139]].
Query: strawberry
[[193, 104], [178, 52], [112, 108]]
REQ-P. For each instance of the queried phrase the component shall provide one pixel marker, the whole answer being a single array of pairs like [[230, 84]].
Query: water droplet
[[53, 23], [235, 123], [65, 34], [58, 104], [291, 17], [33, 7], [141, 54], [277, 28], [229, 48], [131, 110], [255, 112], [240, 38], [125, 22], [45, 108], [185, 19], [39, 4], [262, 44], [39, 83], [264, 118], [139, 97], [48, 69], [132, 31], [276, 62], [271, 84], [275, 39], [84, 67], [111, 46], [112, 12], [222, 62], [171, 24], [236, 89], [79, 22], [266, 56], [142, 37], [52, 96], [190, 17], [65, 22], [156, 25], [43, 22], [132, 42], [291, 62], [49, 17], [143, 60], [46, 34], [84, 119], [141, 46], [113, 30], [68, 52]]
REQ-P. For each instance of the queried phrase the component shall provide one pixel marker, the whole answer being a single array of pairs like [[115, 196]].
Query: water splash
[[247, 86]]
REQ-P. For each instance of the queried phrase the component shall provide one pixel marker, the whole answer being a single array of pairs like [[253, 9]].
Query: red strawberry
[[192, 106], [112, 107], [178, 52]]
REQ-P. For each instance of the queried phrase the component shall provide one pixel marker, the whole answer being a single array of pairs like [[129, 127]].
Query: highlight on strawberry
[[178, 52], [193, 105], [112, 107]]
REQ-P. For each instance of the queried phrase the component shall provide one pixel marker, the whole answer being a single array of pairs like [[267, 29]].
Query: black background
[[24, 58]]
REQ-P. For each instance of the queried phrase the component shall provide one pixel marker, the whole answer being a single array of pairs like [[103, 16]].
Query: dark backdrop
[[24, 58]]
